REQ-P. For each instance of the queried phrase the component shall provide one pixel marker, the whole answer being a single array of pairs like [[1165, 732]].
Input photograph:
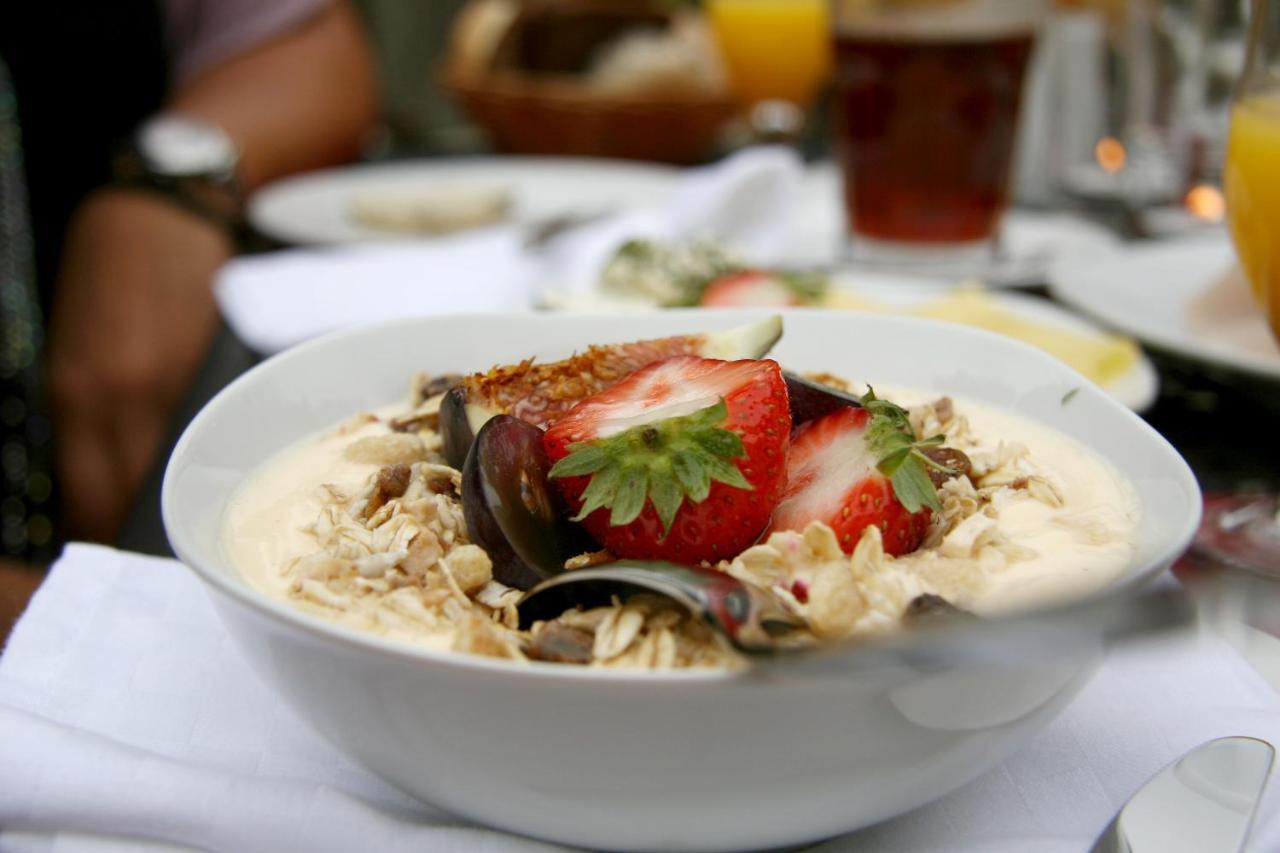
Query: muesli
[[851, 511]]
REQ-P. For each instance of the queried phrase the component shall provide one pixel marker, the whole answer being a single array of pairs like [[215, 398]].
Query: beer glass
[[927, 96]]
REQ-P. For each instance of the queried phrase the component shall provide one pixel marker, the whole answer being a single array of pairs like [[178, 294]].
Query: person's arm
[[301, 101], [18, 583], [133, 308]]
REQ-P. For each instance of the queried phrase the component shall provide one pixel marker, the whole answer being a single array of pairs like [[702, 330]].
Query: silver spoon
[[1204, 802], [753, 621]]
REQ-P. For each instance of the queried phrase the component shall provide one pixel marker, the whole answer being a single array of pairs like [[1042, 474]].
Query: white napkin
[[275, 300], [744, 201], [126, 711]]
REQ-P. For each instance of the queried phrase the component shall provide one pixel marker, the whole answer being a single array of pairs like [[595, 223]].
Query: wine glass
[[1244, 529]]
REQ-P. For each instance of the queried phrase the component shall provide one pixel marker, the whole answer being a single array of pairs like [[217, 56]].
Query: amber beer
[[926, 115]]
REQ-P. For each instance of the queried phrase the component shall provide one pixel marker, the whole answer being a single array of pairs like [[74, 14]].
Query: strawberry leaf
[[629, 499], [583, 458], [667, 495], [600, 492], [900, 455], [726, 472], [692, 475], [913, 487], [666, 462]]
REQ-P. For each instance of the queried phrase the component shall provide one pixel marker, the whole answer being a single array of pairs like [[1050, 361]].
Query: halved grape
[[812, 400], [510, 508]]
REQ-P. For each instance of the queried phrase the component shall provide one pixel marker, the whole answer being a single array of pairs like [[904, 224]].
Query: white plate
[[1160, 294], [1030, 241], [313, 208], [1136, 388]]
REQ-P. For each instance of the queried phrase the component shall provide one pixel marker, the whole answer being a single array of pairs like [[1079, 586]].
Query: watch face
[[181, 147]]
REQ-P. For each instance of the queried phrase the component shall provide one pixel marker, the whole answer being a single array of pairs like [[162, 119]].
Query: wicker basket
[[540, 117], [548, 109]]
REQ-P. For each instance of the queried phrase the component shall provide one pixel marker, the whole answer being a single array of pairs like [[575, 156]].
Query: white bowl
[[637, 760]]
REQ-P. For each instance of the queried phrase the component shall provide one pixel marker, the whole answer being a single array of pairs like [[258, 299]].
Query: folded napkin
[[125, 711], [744, 201], [276, 300], [273, 301]]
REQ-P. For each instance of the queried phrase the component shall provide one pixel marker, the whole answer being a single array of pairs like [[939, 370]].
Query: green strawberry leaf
[[588, 460], [900, 455], [666, 462], [913, 487], [629, 499]]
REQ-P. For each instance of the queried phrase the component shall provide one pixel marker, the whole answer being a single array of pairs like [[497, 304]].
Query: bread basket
[[521, 72]]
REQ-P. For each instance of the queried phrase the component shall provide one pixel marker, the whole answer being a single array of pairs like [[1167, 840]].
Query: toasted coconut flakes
[[1045, 492], [423, 553], [355, 423], [318, 566], [618, 631], [376, 565], [822, 541], [477, 635], [390, 449], [497, 595], [967, 536], [411, 603], [587, 619], [321, 594], [591, 558], [834, 602]]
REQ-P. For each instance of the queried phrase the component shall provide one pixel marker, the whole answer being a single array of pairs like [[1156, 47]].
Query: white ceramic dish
[[1179, 296], [1136, 388], [639, 760], [315, 208]]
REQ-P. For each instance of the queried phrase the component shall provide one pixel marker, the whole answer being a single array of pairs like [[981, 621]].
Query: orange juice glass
[[1252, 177], [774, 49]]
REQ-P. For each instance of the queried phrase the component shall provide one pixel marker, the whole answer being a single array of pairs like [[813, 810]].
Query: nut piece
[[948, 457], [561, 644], [470, 567], [391, 482], [930, 609]]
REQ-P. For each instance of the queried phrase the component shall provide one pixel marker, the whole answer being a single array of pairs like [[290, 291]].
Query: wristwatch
[[188, 160]]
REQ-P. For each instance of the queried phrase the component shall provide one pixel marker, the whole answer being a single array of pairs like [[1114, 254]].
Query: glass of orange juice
[[1252, 170], [1243, 530], [777, 52]]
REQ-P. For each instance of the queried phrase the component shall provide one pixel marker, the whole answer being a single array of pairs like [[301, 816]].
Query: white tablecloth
[[125, 710]]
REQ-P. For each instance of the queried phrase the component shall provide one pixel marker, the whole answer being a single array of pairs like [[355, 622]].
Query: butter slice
[[1099, 356]]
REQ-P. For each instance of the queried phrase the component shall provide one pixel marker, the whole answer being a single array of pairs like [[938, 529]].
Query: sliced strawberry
[[833, 476], [538, 392], [749, 289], [683, 460]]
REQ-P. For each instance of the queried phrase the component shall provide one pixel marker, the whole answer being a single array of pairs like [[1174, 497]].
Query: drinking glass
[[927, 97], [1244, 530], [777, 55], [1252, 170]]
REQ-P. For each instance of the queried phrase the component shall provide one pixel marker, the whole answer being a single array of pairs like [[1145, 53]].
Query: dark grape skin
[[811, 400], [511, 509], [455, 428]]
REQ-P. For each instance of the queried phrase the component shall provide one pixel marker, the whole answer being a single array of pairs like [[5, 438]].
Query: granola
[[378, 542]]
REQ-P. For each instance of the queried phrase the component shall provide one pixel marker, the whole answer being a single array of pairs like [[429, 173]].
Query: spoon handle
[[1016, 639]]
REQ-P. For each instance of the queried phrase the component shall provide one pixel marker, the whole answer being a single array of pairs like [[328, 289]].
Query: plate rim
[[261, 201], [1161, 338]]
